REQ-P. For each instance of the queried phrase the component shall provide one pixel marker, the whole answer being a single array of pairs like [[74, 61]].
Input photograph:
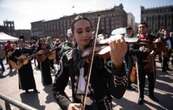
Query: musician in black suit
[[25, 72], [168, 45], [108, 77], [129, 57], [146, 64], [45, 63]]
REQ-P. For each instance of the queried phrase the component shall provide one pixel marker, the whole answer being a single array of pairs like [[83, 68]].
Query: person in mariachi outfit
[[130, 60], [2, 56], [166, 56], [108, 77], [146, 63], [25, 72], [51, 45], [8, 50], [45, 63]]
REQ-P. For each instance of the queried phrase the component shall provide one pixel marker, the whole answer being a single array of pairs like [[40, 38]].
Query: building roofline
[[89, 12], [157, 7]]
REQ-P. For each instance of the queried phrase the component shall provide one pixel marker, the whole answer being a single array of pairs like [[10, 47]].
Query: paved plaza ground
[[45, 101]]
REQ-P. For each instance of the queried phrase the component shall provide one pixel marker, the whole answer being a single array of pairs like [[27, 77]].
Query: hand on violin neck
[[118, 51]]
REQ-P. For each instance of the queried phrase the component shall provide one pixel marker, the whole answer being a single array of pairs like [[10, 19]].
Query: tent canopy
[[5, 37]]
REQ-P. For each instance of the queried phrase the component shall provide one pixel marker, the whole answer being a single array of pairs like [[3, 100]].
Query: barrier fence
[[9, 101]]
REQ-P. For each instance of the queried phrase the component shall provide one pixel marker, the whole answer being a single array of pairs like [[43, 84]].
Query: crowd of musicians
[[110, 77]]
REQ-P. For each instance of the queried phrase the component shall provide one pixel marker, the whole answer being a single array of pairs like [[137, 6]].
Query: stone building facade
[[26, 33], [37, 28], [131, 21], [8, 27], [158, 17], [110, 19]]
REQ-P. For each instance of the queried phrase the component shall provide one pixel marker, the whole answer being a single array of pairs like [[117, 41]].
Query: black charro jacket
[[106, 81]]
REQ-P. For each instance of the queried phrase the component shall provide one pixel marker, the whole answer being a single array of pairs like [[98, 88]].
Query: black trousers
[[165, 60], [151, 75]]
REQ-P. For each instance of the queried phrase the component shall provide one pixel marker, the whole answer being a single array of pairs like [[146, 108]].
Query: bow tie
[[142, 36]]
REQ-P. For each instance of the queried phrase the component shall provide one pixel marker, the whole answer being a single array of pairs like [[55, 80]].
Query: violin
[[102, 48], [101, 51], [160, 44], [42, 55]]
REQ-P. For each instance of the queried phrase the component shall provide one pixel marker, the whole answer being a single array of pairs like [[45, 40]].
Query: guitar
[[133, 74], [21, 60]]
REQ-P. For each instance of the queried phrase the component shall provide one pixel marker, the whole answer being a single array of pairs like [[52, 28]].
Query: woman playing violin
[[44, 62], [108, 78]]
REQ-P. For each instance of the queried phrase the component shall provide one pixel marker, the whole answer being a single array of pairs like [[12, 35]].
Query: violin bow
[[90, 69]]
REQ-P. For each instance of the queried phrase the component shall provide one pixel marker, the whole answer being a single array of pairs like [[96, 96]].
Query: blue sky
[[23, 12]]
